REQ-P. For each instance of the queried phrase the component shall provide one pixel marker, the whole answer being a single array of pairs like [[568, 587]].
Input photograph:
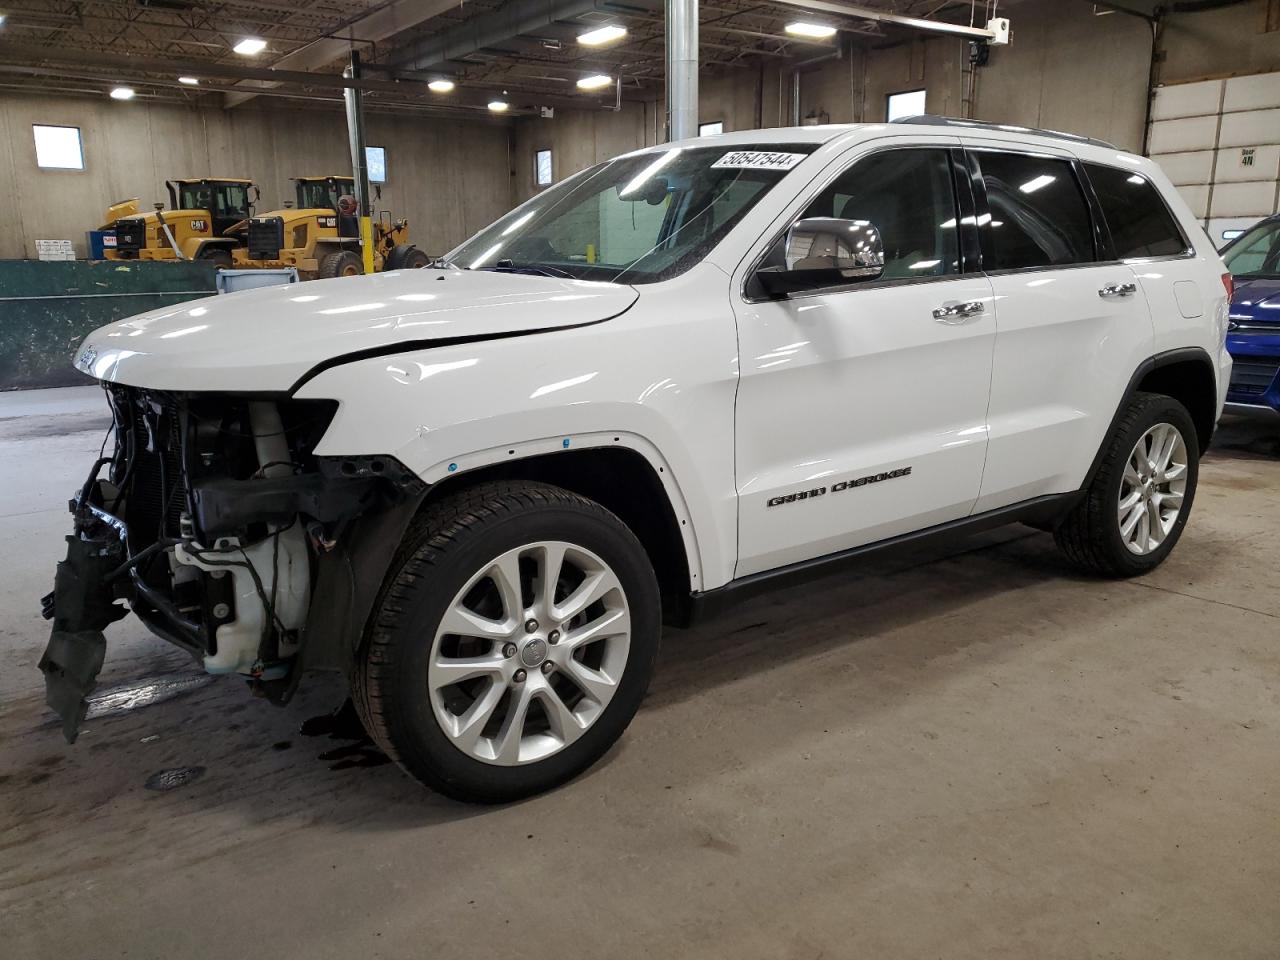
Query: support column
[[682, 69], [354, 98]]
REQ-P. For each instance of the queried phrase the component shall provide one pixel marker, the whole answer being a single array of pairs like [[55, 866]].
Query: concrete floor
[[977, 754]]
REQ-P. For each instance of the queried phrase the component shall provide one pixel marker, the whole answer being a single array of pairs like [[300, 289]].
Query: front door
[[861, 411]]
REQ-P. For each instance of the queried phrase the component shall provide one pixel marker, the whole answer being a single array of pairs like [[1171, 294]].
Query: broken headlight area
[[207, 521]]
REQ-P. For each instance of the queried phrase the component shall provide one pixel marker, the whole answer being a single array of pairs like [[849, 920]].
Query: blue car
[[1253, 336]]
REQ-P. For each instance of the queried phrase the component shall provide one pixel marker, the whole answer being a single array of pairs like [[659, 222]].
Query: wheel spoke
[[1154, 523], [611, 623], [1129, 521], [459, 621], [552, 564], [468, 726], [1131, 476], [595, 586], [597, 685], [506, 743], [1126, 503], [564, 724], [505, 574], [1173, 472], [1172, 500], [446, 671]]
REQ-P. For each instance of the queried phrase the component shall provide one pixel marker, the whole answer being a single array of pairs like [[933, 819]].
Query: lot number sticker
[[757, 160]]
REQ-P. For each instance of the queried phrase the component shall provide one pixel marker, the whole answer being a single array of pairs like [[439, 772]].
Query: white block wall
[[1219, 142]]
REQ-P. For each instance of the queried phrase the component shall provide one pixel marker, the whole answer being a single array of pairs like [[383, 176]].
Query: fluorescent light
[[189, 81], [498, 106], [250, 46], [595, 38], [2, 16], [441, 85], [1035, 183], [814, 31], [594, 82], [122, 93]]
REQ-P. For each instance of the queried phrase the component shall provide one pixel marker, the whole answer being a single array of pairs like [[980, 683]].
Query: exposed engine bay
[[209, 520]]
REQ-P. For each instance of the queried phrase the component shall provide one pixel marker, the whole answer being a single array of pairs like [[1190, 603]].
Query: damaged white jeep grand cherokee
[[696, 370]]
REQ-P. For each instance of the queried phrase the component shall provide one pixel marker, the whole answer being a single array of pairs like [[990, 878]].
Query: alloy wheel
[[529, 653], [1152, 488]]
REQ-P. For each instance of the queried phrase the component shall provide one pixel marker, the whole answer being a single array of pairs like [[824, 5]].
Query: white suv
[[688, 373]]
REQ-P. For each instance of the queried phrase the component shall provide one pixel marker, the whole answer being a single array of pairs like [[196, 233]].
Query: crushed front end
[[211, 520]]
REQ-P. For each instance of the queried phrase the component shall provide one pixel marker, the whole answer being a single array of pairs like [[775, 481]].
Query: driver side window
[[907, 195]]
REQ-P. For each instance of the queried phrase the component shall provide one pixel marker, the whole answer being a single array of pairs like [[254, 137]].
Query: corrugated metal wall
[[1219, 142]]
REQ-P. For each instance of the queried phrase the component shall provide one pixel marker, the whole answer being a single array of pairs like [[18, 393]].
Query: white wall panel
[[1232, 169], [1186, 100], [1255, 199], [1186, 168], [1177, 136], [1197, 197], [1250, 129], [1257, 92]]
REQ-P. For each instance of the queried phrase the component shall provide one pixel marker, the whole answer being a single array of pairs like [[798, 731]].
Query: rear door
[[1072, 322]]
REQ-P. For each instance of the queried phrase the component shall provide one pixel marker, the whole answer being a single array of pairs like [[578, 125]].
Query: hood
[[270, 338], [1256, 299]]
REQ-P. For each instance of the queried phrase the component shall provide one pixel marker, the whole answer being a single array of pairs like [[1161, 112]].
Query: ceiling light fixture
[[122, 93], [601, 36], [250, 46], [498, 106], [814, 31], [594, 82], [189, 81], [441, 86]]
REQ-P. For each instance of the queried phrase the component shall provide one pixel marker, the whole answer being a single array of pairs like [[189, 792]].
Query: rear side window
[[1039, 217], [1140, 223]]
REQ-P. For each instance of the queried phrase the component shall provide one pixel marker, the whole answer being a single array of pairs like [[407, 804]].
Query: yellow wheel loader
[[320, 236], [199, 224]]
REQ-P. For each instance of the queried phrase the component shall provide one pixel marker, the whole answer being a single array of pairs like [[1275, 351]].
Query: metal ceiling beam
[[488, 29], [385, 21], [866, 13]]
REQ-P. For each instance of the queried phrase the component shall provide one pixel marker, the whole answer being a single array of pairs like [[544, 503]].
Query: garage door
[[1219, 142]]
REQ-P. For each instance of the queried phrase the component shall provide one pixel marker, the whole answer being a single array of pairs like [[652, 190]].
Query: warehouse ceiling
[[523, 51]]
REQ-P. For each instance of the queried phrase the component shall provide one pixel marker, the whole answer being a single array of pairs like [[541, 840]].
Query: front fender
[[454, 408]]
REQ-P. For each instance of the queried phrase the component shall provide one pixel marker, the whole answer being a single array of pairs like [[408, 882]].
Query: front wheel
[[512, 644], [1137, 505]]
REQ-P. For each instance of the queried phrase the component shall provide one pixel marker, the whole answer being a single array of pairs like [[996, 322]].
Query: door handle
[[1112, 291], [958, 311]]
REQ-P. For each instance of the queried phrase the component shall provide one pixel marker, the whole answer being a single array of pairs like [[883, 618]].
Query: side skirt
[[1042, 512]]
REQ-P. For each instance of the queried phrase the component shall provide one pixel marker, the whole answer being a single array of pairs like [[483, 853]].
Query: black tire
[[407, 257], [341, 263], [1090, 535], [445, 547], [218, 255]]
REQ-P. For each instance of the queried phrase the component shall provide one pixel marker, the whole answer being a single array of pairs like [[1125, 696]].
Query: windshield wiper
[[537, 269]]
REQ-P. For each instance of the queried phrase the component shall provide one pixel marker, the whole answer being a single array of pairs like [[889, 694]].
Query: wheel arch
[[1188, 376], [620, 471]]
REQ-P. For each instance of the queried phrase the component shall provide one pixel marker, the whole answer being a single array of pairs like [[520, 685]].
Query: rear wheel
[[1137, 505], [341, 263], [513, 643], [407, 257]]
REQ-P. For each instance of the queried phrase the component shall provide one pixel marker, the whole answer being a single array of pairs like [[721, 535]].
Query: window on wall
[[58, 148], [375, 159], [542, 168], [714, 128], [909, 103]]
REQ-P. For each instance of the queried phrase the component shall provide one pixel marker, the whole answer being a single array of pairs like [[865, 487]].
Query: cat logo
[[199, 226]]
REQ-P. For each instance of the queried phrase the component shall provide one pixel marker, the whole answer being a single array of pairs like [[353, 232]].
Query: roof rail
[[928, 119]]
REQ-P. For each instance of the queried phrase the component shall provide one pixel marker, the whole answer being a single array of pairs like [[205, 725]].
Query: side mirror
[[825, 252]]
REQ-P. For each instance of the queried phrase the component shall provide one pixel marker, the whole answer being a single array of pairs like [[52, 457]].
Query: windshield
[[1257, 253], [321, 194], [640, 218], [227, 200]]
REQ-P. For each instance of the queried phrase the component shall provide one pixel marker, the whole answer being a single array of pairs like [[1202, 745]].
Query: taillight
[[1230, 284]]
